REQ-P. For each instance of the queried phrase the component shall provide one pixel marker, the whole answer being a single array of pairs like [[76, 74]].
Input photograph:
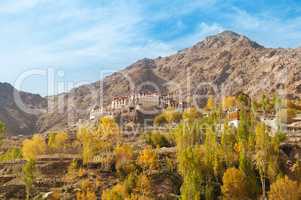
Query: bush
[[57, 141], [87, 191], [34, 147], [124, 156], [148, 159], [160, 120], [285, 188], [156, 139], [11, 154], [169, 116]]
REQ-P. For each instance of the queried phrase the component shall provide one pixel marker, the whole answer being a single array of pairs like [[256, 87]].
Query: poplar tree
[[28, 171], [262, 155]]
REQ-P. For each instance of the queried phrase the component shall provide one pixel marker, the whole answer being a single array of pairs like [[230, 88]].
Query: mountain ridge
[[228, 61]]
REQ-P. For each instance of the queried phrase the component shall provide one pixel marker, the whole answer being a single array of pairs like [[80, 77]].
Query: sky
[[80, 41]]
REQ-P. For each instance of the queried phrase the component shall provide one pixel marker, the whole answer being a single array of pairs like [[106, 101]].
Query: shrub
[[11, 154], [148, 159], [33, 147], [57, 140], [285, 189], [118, 192], [87, 192], [156, 139], [124, 156], [160, 120]]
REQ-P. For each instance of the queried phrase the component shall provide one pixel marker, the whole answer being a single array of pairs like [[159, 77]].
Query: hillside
[[229, 62], [17, 121]]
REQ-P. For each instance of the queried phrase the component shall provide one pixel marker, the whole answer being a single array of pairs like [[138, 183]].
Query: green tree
[[190, 169], [28, 176], [189, 157], [228, 141]]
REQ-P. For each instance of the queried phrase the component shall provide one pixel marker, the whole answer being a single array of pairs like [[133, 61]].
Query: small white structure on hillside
[[233, 117], [271, 122], [98, 112], [234, 123]]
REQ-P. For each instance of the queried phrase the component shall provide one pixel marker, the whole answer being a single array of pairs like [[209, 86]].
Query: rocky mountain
[[17, 120], [222, 64]]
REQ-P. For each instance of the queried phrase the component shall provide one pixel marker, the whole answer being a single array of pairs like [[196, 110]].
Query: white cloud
[[268, 29], [199, 34], [76, 37], [14, 6]]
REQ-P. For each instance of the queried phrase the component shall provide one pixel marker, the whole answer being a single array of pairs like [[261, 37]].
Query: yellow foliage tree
[[118, 192], [234, 185], [143, 185], [172, 116], [108, 127], [87, 140], [87, 191], [57, 140], [124, 155], [285, 189], [229, 102], [31, 148], [191, 114], [148, 159], [210, 103]]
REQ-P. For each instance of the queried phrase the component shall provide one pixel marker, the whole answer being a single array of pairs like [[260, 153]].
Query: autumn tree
[[157, 139], [191, 114], [31, 148], [172, 116], [234, 185], [148, 159], [263, 155], [210, 104], [108, 128], [124, 156], [228, 102], [87, 191], [87, 139], [285, 189], [28, 172], [72, 171], [143, 186], [160, 120], [228, 143], [57, 140], [118, 192], [169, 116]]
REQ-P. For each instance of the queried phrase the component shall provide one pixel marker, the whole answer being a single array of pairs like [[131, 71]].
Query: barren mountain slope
[[227, 62], [16, 120]]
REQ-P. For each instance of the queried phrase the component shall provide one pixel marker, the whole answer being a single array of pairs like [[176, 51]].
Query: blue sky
[[84, 37]]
